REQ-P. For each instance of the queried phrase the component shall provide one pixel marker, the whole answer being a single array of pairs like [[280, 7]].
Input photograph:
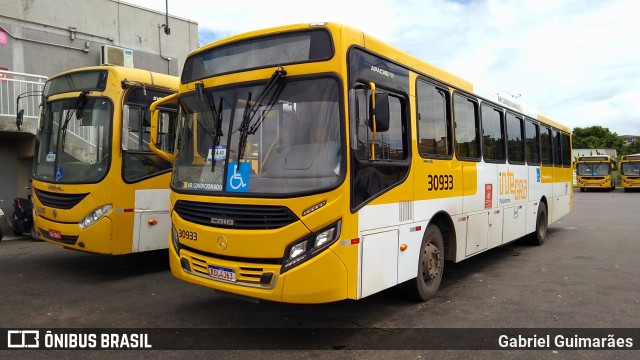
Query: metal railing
[[12, 84]]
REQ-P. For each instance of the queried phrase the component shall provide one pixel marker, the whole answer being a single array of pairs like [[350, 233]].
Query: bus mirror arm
[[155, 128], [378, 115]]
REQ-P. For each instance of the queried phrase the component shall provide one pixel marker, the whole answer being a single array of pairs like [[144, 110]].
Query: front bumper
[[95, 239], [321, 279]]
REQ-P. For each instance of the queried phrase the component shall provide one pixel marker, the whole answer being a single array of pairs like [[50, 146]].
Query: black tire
[[32, 232], [539, 236], [430, 266], [583, 189], [15, 225]]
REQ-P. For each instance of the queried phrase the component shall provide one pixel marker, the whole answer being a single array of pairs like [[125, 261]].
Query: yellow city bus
[[595, 172], [97, 187], [317, 163], [630, 172]]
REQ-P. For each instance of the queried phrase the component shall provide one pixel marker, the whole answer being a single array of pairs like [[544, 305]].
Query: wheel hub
[[431, 262]]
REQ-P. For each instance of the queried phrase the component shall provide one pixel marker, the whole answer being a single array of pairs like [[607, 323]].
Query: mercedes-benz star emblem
[[222, 243]]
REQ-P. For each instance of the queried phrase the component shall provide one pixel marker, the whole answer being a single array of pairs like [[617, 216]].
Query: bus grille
[[231, 216], [57, 200], [247, 275]]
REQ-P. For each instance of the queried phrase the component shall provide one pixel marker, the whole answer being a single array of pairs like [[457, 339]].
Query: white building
[[46, 37]]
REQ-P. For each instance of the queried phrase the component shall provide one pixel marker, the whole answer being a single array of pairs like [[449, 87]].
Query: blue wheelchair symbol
[[238, 177], [58, 173]]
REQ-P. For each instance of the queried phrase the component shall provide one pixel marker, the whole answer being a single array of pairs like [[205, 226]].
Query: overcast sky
[[576, 61]]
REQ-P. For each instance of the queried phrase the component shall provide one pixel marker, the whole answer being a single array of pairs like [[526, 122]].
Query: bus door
[[148, 199], [381, 190]]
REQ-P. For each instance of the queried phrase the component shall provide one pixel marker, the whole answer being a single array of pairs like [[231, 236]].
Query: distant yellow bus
[[630, 172], [595, 172], [97, 187], [317, 163]]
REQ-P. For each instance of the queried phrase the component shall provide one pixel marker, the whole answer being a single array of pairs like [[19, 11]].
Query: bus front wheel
[[540, 234], [430, 266]]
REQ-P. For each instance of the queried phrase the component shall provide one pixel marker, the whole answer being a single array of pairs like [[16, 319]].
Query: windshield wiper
[[216, 129], [70, 113], [247, 126]]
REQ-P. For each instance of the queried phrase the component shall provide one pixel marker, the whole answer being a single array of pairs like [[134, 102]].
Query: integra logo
[[221, 221], [382, 72]]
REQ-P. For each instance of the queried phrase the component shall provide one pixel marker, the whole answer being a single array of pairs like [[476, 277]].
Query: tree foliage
[[633, 148], [597, 137]]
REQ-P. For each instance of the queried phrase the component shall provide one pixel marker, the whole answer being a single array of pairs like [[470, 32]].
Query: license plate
[[222, 273], [55, 234]]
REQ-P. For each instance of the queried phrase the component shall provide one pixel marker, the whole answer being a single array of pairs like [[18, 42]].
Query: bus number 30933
[[439, 182]]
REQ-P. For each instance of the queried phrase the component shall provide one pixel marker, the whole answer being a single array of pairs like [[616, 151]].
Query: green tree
[[596, 137], [633, 148]]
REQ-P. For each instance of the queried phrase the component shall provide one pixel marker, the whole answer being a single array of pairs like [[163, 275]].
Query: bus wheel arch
[[539, 235], [438, 244]]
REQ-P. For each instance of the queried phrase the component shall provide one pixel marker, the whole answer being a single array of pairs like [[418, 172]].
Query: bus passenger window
[[493, 134], [515, 140], [533, 142], [557, 151], [566, 150], [434, 138], [465, 112], [545, 146]]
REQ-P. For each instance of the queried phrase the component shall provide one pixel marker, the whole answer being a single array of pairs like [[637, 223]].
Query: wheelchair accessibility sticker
[[58, 173], [238, 177]]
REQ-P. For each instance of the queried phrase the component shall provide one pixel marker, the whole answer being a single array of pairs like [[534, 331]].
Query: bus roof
[[631, 157], [144, 76], [594, 158]]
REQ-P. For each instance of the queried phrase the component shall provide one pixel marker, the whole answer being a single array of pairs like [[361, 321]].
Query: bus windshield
[[593, 169], [291, 144], [631, 168], [74, 140]]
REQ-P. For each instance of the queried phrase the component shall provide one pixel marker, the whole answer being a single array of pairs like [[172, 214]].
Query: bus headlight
[[94, 216], [175, 241], [309, 246]]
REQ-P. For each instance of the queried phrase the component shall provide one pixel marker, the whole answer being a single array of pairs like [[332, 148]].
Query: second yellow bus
[[97, 187], [595, 172], [630, 172]]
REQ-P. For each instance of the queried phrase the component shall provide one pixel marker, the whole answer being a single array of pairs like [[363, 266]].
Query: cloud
[[575, 60]]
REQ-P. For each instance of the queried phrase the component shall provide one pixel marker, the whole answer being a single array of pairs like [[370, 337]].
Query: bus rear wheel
[[430, 266], [540, 234]]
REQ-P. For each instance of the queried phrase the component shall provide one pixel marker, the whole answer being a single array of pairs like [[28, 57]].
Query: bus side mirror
[[156, 127], [19, 118], [379, 112], [125, 128]]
